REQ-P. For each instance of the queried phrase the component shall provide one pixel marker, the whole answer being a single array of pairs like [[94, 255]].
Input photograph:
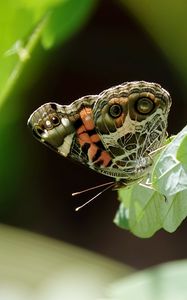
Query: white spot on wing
[[65, 147], [65, 122]]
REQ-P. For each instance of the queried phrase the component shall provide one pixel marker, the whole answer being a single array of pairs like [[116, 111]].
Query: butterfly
[[113, 133]]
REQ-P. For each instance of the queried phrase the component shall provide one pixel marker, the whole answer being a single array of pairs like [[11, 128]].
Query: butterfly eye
[[115, 110], [144, 106], [55, 120]]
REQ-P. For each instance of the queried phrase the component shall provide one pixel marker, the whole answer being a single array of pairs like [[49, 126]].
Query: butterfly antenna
[[92, 188], [97, 195]]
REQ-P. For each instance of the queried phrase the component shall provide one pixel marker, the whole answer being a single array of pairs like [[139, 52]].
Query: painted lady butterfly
[[113, 133]]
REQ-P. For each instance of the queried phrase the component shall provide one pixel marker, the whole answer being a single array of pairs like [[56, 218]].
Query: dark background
[[112, 48]]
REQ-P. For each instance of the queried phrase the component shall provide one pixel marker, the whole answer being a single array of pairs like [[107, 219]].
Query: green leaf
[[24, 23], [148, 211], [169, 176], [182, 152], [177, 211], [164, 282], [121, 217], [145, 210]]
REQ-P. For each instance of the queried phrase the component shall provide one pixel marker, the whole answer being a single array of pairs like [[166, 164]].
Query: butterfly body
[[113, 133]]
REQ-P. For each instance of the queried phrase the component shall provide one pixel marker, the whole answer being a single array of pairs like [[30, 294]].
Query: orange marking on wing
[[105, 157], [119, 121], [120, 100], [95, 138], [84, 138], [86, 115]]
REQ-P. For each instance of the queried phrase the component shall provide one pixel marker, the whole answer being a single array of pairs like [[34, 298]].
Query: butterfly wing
[[112, 133]]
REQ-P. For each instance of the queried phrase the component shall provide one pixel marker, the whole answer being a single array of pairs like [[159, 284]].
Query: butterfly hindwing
[[113, 132]]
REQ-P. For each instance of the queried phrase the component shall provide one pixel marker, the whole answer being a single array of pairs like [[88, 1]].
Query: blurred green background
[[60, 50]]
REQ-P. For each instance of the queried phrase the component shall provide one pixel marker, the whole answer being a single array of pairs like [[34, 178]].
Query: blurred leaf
[[166, 23], [164, 282], [66, 19], [24, 22], [36, 267], [13, 59]]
